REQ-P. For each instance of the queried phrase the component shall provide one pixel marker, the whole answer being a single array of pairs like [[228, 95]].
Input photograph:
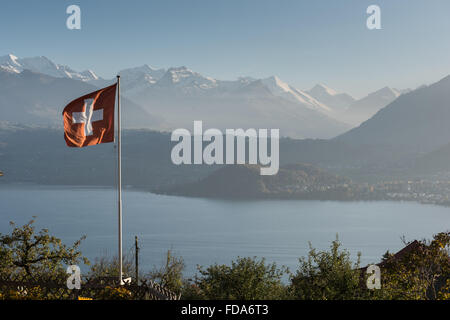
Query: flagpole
[[119, 180]]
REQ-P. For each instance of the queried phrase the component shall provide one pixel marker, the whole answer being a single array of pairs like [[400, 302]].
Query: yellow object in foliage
[[84, 298]]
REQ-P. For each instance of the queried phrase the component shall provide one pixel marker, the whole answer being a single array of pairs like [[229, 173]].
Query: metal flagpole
[[119, 180]]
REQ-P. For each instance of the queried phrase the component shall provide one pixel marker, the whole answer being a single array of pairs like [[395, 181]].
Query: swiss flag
[[89, 120]]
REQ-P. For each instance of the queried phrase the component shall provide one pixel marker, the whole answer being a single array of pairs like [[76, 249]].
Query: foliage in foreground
[[327, 275], [422, 272], [170, 276], [27, 255], [246, 279]]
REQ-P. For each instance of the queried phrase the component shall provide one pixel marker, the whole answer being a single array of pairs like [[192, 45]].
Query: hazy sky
[[303, 42]]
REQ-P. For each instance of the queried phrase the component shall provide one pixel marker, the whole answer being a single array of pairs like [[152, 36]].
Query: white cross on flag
[[89, 120]]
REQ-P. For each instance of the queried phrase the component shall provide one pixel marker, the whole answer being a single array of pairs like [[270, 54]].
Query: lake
[[206, 231]]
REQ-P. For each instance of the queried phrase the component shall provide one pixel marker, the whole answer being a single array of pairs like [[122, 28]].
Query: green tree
[[327, 275], [170, 276], [421, 273], [107, 266], [246, 279], [26, 254]]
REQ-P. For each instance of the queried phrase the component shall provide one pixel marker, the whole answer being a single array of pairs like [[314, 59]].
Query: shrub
[[422, 273], [26, 254], [246, 279], [327, 275], [170, 276]]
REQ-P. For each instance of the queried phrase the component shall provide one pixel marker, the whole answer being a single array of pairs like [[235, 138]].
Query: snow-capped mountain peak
[[145, 72], [338, 102], [183, 76], [178, 95], [177, 74], [44, 65], [279, 88], [9, 63], [276, 85], [323, 89], [12, 57], [91, 74]]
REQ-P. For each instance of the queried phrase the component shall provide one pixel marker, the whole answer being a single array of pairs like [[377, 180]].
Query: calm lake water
[[208, 231]]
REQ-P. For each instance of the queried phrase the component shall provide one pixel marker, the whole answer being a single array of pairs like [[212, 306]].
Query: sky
[[302, 42]]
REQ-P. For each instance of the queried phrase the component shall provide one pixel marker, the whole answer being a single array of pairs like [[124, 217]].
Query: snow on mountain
[[139, 78], [338, 102], [180, 95], [90, 74], [323, 89], [179, 81], [45, 66], [233, 85], [184, 77], [9, 63], [282, 89], [37, 99], [144, 73], [313, 103]]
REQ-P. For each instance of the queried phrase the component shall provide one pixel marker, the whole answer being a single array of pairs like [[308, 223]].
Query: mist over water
[[211, 231]]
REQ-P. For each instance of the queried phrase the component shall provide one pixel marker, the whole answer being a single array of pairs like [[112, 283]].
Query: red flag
[[89, 120]]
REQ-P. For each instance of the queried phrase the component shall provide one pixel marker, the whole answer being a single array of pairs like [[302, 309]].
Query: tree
[[170, 276], [327, 275], [421, 272], [246, 279], [28, 255], [107, 266]]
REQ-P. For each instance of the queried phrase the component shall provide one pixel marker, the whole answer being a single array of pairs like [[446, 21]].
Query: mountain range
[[417, 120], [360, 110], [410, 132], [43, 65], [407, 137], [165, 99], [38, 99], [338, 102]]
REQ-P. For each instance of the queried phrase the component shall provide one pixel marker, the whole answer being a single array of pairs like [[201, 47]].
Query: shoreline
[[220, 198]]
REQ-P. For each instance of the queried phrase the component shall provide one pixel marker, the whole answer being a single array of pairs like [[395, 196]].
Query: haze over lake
[[208, 231]]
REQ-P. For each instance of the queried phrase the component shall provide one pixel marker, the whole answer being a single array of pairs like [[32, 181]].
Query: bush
[[27, 255], [245, 279], [114, 293], [170, 276], [106, 266], [327, 276], [421, 273]]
